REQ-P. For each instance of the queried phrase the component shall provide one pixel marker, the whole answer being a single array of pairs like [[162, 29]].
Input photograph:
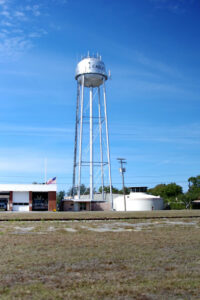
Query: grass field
[[138, 259], [101, 215]]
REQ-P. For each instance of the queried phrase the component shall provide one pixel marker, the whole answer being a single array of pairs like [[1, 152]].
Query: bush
[[177, 205]]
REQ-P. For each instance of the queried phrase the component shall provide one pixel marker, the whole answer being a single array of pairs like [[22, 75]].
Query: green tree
[[166, 190], [194, 182], [126, 189], [59, 197], [70, 192], [158, 190], [83, 191], [169, 192], [173, 190], [194, 188], [186, 200], [107, 190]]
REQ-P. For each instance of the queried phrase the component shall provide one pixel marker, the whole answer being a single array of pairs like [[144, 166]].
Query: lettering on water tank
[[98, 67]]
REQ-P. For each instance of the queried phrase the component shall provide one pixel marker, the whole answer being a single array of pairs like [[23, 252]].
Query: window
[[82, 205], [20, 203]]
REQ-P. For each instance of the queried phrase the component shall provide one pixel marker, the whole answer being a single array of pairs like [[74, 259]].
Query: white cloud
[[38, 34], [35, 9], [5, 13], [58, 2], [19, 14], [173, 6], [30, 162], [26, 165], [34, 131], [184, 135], [157, 65], [19, 27], [6, 24], [3, 3], [14, 46]]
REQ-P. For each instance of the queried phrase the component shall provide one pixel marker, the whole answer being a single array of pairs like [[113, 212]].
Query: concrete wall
[[94, 206], [100, 206], [68, 205]]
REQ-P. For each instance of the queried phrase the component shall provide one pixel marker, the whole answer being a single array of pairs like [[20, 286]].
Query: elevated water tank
[[94, 71]]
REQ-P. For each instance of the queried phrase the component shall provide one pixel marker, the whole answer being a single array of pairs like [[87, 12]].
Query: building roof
[[97, 197], [28, 187], [139, 196]]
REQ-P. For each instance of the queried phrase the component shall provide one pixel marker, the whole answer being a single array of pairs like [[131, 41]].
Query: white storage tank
[[138, 200]]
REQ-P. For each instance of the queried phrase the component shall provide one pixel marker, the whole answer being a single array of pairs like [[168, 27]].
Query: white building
[[138, 200]]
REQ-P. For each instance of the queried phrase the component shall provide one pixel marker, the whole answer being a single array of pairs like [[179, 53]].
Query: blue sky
[[152, 49]]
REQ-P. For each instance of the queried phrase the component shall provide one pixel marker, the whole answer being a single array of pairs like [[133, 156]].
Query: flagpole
[[45, 170]]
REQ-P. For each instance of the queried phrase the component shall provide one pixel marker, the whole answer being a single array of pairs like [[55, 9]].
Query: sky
[[152, 48]]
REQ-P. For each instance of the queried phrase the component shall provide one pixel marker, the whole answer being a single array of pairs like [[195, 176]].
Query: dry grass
[[103, 215], [42, 260]]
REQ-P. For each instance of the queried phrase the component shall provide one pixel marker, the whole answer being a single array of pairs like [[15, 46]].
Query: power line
[[69, 176], [114, 183]]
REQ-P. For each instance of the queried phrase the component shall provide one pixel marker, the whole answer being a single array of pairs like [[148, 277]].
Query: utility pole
[[122, 170]]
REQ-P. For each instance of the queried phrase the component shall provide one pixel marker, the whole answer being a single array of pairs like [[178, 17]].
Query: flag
[[51, 181]]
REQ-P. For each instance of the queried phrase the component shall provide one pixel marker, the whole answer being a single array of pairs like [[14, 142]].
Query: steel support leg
[[107, 142], [75, 142], [101, 148], [91, 144], [80, 138]]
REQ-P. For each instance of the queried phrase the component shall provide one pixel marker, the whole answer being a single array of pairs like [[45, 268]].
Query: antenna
[[109, 74]]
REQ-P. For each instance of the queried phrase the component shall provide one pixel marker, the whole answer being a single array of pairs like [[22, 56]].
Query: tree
[[114, 190], [107, 190], [126, 190], [59, 197], [194, 182], [173, 190], [168, 192], [158, 190], [186, 200], [70, 192], [83, 191], [194, 188]]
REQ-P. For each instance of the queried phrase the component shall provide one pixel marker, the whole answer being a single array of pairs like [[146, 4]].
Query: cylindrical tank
[[94, 71], [139, 202]]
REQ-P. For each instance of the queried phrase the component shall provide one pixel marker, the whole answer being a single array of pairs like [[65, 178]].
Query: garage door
[[20, 201]]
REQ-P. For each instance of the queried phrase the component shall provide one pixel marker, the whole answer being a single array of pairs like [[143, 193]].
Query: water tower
[[91, 148]]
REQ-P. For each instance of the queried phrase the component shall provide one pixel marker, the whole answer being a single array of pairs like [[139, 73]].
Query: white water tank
[[138, 202], [94, 71]]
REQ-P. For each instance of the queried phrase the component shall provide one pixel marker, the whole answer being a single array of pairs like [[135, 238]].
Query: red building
[[28, 197]]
